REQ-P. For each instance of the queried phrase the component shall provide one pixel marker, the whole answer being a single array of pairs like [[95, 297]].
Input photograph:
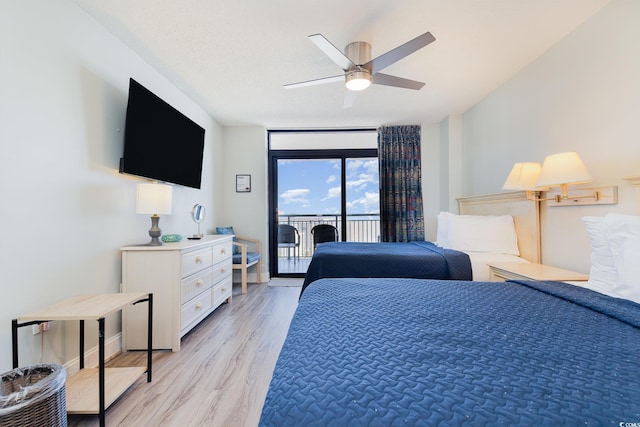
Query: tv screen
[[159, 141]]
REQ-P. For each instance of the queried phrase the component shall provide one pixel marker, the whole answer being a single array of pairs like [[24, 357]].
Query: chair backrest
[[324, 233], [287, 233]]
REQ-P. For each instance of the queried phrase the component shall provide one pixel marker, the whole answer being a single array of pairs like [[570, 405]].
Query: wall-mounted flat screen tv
[[160, 142]]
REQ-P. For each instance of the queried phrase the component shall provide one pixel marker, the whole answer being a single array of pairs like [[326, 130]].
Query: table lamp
[[154, 199]]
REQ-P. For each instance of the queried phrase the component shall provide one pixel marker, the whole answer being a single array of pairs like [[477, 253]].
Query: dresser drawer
[[221, 269], [196, 283], [195, 308], [196, 261], [222, 291], [222, 251]]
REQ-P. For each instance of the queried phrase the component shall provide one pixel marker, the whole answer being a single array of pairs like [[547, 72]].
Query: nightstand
[[501, 271]]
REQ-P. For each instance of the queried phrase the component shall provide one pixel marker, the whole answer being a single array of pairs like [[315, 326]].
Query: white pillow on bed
[[615, 255], [442, 236], [603, 276], [623, 234], [481, 233]]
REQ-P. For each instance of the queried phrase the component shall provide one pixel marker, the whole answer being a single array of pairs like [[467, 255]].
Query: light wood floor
[[221, 374]]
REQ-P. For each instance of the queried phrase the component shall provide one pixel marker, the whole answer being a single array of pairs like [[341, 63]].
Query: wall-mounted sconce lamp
[[558, 170], [563, 169], [523, 176]]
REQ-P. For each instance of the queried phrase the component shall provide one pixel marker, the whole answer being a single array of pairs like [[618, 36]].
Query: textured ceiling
[[233, 57]]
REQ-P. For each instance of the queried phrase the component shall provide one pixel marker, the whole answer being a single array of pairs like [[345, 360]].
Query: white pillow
[[442, 236], [478, 233], [623, 233], [603, 276]]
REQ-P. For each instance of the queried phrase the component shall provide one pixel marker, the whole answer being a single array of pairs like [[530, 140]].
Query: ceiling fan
[[360, 71]]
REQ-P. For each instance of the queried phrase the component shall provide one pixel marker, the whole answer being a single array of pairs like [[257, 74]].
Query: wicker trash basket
[[33, 396]]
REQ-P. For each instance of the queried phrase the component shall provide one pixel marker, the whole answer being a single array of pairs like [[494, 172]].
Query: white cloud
[[296, 196], [362, 173], [360, 182], [332, 193], [331, 179], [370, 203], [369, 166]]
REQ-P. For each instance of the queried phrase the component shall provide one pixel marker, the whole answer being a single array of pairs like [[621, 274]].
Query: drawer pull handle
[[198, 260], [198, 305], [223, 251], [224, 290], [222, 270], [199, 282]]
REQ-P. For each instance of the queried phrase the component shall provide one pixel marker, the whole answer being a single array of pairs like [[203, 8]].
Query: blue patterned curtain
[[401, 217]]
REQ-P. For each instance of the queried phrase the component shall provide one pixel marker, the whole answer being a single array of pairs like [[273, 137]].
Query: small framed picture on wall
[[243, 183]]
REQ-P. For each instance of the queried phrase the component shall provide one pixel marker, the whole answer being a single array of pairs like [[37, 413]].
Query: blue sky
[[313, 186]]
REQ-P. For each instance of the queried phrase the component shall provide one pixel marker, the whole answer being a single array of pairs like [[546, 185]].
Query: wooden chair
[[243, 257]]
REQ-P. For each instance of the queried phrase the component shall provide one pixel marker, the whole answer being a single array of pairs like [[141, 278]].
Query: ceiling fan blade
[[395, 55], [332, 52], [349, 98], [324, 80], [388, 80]]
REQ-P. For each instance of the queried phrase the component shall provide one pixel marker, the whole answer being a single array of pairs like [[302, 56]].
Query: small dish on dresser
[[170, 238]]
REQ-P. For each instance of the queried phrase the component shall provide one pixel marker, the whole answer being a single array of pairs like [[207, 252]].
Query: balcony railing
[[360, 228]]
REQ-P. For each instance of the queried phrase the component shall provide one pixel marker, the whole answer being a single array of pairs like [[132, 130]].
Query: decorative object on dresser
[[242, 257], [198, 213], [189, 280], [154, 199], [501, 271]]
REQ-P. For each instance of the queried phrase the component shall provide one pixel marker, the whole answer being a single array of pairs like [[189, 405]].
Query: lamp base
[[155, 232]]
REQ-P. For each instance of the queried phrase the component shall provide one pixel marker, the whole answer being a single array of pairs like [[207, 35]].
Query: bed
[[492, 228], [395, 351], [411, 352], [421, 260]]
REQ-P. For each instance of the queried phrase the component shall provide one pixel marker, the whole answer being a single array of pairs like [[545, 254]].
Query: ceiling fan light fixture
[[358, 80]]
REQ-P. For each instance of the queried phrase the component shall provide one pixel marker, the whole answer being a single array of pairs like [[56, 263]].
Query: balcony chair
[[324, 233], [242, 257], [288, 237]]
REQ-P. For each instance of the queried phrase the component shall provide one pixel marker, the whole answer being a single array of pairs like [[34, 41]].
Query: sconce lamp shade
[[563, 168], [523, 176], [153, 199]]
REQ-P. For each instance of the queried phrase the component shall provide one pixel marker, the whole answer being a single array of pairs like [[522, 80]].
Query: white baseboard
[[251, 277], [112, 347]]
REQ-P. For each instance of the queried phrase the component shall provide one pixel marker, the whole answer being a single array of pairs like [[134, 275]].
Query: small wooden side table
[[92, 390]]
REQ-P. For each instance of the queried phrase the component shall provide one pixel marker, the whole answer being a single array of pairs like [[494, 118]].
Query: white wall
[[65, 210], [582, 95], [245, 153], [432, 176]]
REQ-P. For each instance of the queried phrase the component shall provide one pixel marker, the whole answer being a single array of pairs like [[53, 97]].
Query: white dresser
[[188, 279]]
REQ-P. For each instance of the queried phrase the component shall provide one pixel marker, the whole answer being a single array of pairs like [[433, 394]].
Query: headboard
[[526, 216]]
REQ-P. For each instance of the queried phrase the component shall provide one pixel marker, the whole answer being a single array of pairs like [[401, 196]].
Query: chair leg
[[258, 268], [244, 280]]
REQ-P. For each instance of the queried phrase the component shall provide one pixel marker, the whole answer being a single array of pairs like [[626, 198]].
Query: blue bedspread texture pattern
[[417, 260], [405, 352]]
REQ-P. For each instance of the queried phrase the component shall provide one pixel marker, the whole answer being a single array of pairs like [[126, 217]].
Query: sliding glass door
[[335, 188]]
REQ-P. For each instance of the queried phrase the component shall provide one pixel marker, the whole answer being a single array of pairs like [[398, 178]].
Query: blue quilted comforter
[[416, 260], [405, 352]]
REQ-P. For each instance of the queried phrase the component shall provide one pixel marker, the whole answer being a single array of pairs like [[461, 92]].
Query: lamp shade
[[154, 199], [563, 168], [523, 176]]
